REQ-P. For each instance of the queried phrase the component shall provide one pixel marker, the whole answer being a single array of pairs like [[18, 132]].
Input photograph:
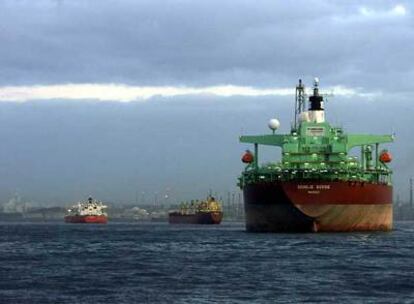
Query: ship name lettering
[[311, 187], [323, 187], [305, 187]]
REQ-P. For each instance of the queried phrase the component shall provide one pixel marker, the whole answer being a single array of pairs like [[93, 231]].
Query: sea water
[[161, 263]]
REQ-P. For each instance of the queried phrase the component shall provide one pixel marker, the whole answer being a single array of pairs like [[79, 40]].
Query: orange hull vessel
[[88, 212], [318, 206], [204, 218], [86, 219]]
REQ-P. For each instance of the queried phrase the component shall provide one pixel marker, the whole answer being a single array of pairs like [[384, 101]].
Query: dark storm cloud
[[199, 43]]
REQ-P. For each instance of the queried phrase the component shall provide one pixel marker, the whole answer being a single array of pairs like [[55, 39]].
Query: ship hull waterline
[[86, 219], [202, 218], [317, 206]]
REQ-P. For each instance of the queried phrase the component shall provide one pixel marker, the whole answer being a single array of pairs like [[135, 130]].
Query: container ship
[[90, 211], [195, 212], [317, 185]]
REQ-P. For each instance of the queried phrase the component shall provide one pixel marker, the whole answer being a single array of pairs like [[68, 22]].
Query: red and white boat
[[91, 211]]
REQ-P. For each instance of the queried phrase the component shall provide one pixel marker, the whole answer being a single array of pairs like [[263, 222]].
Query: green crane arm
[[360, 140], [269, 140]]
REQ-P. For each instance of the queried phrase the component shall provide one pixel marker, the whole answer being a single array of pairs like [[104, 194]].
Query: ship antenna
[[299, 102], [316, 86]]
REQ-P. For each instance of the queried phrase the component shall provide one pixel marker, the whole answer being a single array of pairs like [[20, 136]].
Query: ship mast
[[299, 103]]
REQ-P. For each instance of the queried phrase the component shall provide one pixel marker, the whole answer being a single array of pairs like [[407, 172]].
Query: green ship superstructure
[[315, 153]]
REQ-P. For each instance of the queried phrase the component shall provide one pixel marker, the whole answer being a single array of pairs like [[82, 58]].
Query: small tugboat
[[195, 212], [91, 212]]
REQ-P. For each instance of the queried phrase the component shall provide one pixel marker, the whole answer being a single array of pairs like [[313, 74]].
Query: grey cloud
[[264, 43], [59, 152]]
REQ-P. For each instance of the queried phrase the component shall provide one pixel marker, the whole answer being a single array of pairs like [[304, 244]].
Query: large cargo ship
[[195, 212], [317, 185], [89, 212]]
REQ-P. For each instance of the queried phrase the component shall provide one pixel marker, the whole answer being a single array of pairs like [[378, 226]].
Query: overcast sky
[[90, 73], [264, 44]]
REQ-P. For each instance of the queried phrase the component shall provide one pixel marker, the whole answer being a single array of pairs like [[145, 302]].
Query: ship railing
[[327, 174]]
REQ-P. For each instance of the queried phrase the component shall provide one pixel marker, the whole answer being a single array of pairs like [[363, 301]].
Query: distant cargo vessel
[[90, 212], [317, 185], [195, 212]]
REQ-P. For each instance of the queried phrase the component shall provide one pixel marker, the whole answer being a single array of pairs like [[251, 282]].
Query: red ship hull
[[204, 218], [314, 206], [86, 219]]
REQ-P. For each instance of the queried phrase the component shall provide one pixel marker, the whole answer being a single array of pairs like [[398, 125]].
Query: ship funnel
[[316, 100]]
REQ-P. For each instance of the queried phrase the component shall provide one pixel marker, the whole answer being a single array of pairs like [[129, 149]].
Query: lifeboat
[[247, 157], [385, 157]]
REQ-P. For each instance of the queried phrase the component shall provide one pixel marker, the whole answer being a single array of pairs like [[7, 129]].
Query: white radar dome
[[274, 124]]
